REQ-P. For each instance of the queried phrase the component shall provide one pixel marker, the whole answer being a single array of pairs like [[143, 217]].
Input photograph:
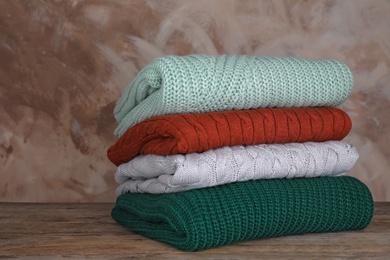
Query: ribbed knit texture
[[202, 83], [173, 173], [188, 133], [210, 217]]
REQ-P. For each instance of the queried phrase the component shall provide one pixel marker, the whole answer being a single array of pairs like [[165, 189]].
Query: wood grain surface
[[49, 231]]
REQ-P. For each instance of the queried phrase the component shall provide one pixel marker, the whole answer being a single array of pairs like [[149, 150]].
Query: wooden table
[[47, 231]]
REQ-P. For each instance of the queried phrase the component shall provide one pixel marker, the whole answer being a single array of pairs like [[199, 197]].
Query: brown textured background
[[63, 65]]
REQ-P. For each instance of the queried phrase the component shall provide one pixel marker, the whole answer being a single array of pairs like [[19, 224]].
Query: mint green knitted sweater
[[202, 83], [210, 217]]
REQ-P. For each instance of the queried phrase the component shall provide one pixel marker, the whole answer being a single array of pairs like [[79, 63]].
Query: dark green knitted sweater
[[210, 217]]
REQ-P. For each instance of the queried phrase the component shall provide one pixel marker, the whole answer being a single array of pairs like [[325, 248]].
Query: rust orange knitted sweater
[[188, 133]]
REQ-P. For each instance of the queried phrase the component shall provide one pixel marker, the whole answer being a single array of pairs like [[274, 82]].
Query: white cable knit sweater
[[174, 173]]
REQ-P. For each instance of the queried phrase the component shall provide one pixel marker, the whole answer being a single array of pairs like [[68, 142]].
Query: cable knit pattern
[[173, 173], [202, 83], [189, 133], [205, 218]]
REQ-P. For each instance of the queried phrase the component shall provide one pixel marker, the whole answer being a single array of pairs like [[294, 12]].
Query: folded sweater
[[173, 173], [202, 83], [204, 218], [188, 133]]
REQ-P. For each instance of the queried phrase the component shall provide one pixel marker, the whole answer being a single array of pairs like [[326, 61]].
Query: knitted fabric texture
[[202, 83], [189, 133], [173, 173], [204, 218]]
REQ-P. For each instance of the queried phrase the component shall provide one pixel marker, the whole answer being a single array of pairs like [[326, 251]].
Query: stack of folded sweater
[[214, 150]]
